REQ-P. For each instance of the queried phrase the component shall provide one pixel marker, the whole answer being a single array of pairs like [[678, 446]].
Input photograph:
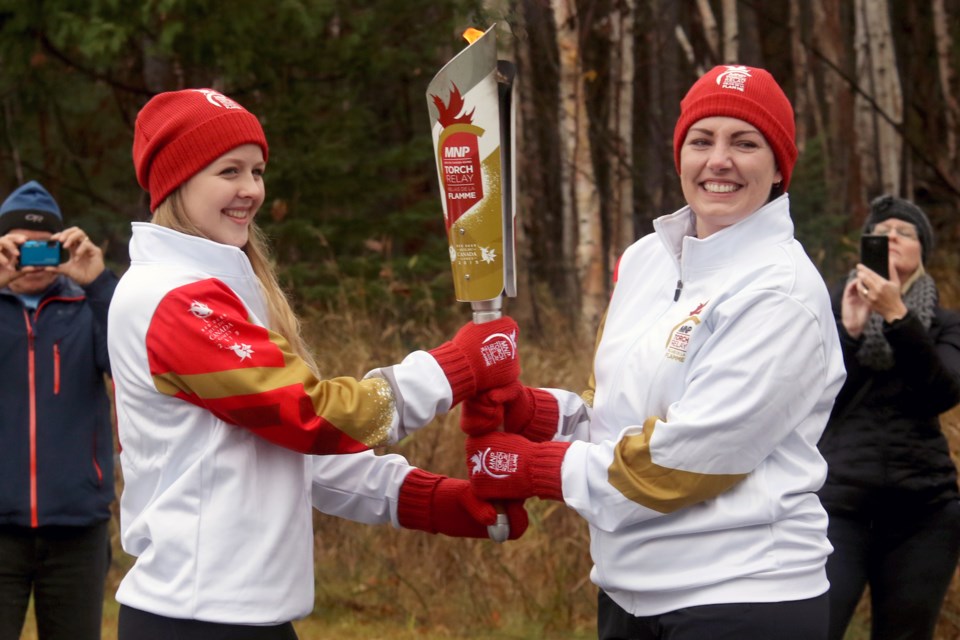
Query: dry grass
[[377, 582]]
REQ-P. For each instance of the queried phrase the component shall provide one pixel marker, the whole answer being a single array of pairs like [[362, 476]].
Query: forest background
[[355, 219]]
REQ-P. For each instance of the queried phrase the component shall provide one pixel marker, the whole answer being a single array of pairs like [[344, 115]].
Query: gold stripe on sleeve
[[662, 489]]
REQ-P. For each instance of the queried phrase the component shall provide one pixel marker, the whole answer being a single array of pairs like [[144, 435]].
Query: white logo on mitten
[[498, 347], [496, 464]]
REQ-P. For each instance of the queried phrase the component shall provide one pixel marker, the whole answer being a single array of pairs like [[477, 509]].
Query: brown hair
[[171, 214]]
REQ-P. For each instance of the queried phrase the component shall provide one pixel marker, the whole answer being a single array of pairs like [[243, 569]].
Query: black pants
[[140, 625], [791, 620], [65, 568], [908, 563]]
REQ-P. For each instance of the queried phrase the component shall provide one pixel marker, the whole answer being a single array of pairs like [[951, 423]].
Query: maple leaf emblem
[[452, 113], [477, 461], [243, 351], [488, 255], [698, 309], [199, 309]]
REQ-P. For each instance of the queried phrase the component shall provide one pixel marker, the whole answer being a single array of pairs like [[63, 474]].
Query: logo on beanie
[[498, 347], [33, 218], [734, 78], [496, 464], [218, 99]]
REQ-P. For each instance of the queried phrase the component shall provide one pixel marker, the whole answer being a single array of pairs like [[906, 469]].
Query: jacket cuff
[[456, 367], [545, 470], [415, 503]]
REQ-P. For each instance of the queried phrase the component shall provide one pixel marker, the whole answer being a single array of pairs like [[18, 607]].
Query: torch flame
[[471, 35]]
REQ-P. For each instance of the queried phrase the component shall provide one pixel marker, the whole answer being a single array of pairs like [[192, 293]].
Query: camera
[[41, 253]]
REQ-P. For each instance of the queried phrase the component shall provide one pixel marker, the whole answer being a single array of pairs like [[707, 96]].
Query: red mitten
[[505, 466], [438, 504], [480, 357], [483, 413], [532, 413]]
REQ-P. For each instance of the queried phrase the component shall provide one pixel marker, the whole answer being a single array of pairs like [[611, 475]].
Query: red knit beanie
[[746, 93], [178, 133]]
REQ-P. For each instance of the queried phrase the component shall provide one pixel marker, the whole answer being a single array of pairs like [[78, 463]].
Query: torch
[[472, 116]]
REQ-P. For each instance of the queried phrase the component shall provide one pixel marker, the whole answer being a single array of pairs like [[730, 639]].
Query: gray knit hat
[[885, 207]]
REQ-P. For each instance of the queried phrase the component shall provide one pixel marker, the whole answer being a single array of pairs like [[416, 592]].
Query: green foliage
[[339, 87], [818, 218]]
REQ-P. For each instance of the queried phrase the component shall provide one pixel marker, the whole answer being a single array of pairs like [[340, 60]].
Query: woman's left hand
[[881, 295]]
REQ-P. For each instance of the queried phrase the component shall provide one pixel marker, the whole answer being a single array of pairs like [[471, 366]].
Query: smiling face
[[906, 250], [727, 170], [222, 199]]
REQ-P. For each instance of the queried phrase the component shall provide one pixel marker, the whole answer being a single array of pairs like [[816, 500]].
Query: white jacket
[[218, 516], [697, 466]]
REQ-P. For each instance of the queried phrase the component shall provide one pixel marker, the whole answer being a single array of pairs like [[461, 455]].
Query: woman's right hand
[[854, 309]]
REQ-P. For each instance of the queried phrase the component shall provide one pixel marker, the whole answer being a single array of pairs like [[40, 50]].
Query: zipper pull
[[676, 294]]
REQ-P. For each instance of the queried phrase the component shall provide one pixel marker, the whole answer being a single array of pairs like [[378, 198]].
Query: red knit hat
[[178, 133], [746, 93]]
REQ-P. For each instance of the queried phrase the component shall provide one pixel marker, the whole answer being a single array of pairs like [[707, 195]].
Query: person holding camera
[[56, 456], [891, 491]]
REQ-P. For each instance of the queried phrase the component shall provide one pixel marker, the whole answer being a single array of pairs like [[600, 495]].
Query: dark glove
[[480, 357], [438, 504], [532, 413], [505, 466]]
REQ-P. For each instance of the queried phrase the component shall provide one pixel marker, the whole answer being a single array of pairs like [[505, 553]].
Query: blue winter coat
[[56, 439]]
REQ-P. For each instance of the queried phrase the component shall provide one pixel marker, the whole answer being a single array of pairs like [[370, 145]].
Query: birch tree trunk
[[622, 82], [582, 231], [731, 32], [880, 143]]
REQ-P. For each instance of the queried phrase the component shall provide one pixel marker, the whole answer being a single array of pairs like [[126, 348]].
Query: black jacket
[[56, 440], [886, 453]]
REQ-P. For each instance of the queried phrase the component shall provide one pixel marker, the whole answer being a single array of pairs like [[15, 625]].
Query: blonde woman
[[218, 400]]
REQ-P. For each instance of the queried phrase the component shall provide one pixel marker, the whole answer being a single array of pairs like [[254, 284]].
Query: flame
[[471, 35]]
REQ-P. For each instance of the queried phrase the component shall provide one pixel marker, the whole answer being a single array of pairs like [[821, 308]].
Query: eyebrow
[[736, 134]]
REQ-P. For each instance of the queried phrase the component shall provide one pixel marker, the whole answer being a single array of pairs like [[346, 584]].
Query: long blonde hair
[[172, 214]]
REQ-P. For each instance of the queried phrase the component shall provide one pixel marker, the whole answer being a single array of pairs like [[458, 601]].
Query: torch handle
[[486, 311]]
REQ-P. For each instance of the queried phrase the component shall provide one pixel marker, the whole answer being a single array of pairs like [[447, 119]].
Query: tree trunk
[[731, 33], [951, 112], [880, 142], [581, 203], [711, 32], [620, 123]]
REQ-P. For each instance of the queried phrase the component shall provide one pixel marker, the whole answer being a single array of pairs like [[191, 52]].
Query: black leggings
[[140, 625], [790, 620], [908, 561]]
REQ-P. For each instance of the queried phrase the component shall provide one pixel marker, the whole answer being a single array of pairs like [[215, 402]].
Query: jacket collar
[[153, 245], [768, 225]]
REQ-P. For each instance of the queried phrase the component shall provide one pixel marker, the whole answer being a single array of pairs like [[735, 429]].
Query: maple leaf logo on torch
[[458, 150], [452, 113]]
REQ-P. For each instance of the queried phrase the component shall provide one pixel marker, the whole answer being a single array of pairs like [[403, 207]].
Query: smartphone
[[875, 254], [41, 253]]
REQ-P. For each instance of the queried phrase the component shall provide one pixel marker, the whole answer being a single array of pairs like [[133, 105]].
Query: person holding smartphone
[[891, 491], [56, 456]]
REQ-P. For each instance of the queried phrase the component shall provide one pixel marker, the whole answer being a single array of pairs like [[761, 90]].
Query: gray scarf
[[921, 298]]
